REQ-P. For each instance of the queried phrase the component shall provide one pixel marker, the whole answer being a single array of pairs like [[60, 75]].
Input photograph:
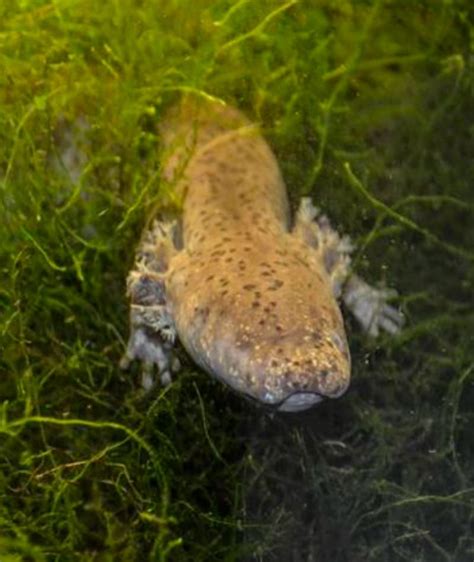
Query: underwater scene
[[237, 281]]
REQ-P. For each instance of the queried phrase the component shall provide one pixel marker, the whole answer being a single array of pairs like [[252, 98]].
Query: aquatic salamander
[[251, 295]]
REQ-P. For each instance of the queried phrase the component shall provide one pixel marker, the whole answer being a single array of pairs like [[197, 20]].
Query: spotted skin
[[251, 297]]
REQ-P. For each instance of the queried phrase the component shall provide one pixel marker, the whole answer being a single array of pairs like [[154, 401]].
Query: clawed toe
[[391, 320], [154, 348]]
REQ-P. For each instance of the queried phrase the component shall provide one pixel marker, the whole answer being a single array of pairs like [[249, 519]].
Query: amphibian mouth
[[251, 295]]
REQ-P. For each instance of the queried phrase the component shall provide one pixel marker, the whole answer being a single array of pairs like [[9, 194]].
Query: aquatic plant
[[369, 106]]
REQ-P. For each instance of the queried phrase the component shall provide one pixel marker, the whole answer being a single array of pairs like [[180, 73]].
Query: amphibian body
[[251, 295]]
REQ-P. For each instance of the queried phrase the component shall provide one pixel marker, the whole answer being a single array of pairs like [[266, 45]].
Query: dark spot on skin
[[297, 260], [247, 248], [279, 328], [275, 284], [217, 253], [274, 363], [203, 313], [296, 363], [273, 303], [224, 293], [279, 350], [265, 274], [324, 374], [223, 282], [255, 304], [315, 336], [249, 287], [229, 259], [210, 278], [261, 322], [267, 309]]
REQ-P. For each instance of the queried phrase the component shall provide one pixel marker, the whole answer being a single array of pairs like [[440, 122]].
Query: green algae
[[369, 106]]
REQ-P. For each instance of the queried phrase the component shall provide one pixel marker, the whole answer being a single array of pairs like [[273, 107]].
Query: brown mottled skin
[[251, 297]]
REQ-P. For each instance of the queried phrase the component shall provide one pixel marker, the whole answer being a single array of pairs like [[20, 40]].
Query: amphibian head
[[262, 318]]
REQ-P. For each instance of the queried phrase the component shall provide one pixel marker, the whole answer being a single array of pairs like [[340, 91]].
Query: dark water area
[[369, 107]]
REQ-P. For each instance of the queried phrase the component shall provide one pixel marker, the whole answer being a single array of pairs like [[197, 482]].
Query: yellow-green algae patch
[[369, 106]]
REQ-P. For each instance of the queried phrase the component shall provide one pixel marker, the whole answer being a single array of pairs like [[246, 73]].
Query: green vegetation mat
[[369, 106]]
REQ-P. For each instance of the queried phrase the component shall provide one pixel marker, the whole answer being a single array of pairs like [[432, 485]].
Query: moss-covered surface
[[370, 108]]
